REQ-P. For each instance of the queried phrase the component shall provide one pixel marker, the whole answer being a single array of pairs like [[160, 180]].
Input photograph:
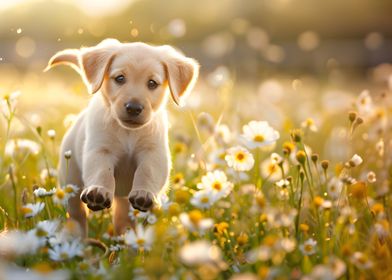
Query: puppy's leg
[[98, 178], [121, 220], [72, 175], [151, 177]]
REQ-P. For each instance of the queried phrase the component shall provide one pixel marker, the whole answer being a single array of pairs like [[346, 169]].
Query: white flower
[[283, 190], [60, 197], [203, 199], [48, 173], [334, 187], [70, 190], [239, 158], [361, 260], [364, 103], [51, 133], [30, 210], [18, 243], [41, 192], [14, 272], [17, 147], [195, 222], [271, 170], [371, 177], [309, 124], [355, 161], [261, 253], [67, 250], [200, 252], [62, 194], [164, 201], [8, 104], [141, 238], [68, 154], [135, 214], [259, 134], [47, 228], [309, 247], [216, 181], [152, 219], [222, 134]]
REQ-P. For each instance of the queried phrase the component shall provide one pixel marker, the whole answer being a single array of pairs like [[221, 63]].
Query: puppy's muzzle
[[133, 109]]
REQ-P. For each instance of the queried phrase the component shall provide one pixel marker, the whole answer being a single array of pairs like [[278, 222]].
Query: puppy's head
[[134, 78]]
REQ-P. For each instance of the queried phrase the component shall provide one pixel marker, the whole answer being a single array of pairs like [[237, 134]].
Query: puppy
[[119, 143]]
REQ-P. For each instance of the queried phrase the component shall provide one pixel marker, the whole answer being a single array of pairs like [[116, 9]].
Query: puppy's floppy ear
[[95, 62], [181, 72], [91, 63], [69, 57]]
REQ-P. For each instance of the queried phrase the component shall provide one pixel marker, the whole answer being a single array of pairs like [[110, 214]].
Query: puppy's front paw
[[141, 200], [96, 198]]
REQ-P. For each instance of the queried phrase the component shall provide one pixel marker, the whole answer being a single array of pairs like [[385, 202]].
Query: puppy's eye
[[151, 84], [120, 79]]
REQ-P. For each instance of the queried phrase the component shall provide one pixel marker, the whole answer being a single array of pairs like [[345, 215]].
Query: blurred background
[[300, 54]]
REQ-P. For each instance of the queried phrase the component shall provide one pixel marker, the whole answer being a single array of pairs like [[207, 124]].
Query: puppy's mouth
[[130, 123]]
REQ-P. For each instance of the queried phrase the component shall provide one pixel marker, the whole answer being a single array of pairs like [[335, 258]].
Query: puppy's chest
[[129, 146]]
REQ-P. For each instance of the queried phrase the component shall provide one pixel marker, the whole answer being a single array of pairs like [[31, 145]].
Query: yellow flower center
[[240, 156], [308, 247], [26, 210], [41, 233], [195, 216], [68, 189], [362, 259], [205, 199], [140, 242], [258, 138], [217, 186], [272, 168], [64, 255], [60, 193]]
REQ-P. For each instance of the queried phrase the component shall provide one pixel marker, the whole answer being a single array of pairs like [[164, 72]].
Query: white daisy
[[203, 199], [32, 209], [47, 228], [271, 170], [364, 103], [195, 222], [135, 214], [46, 173], [355, 161], [70, 190], [309, 247], [361, 260], [41, 192], [222, 134], [200, 252], [60, 197], [17, 147], [334, 187], [216, 181], [239, 158], [67, 250], [259, 134], [18, 243], [141, 238]]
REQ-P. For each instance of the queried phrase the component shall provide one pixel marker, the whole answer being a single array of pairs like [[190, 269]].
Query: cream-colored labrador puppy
[[119, 143]]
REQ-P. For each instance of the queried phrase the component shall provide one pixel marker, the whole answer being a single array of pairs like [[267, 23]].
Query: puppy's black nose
[[133, 109]]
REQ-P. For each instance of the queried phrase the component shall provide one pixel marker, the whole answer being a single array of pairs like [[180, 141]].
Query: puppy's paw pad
[[141, 200], [96, 198]]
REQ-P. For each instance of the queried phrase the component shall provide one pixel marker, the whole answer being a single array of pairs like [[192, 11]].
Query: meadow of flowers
[[289, 180]]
